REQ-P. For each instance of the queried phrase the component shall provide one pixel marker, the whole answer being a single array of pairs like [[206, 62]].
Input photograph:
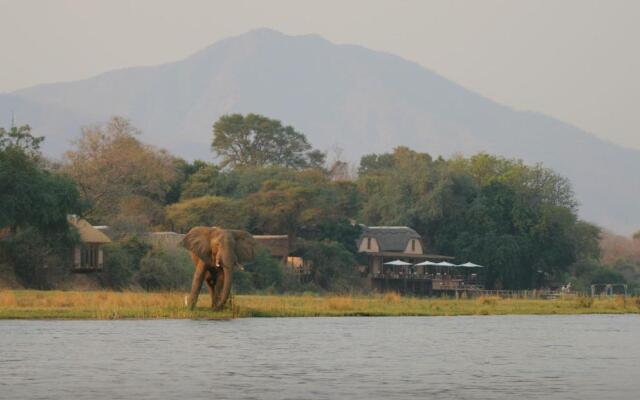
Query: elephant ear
[[245, 245], [198, 241]]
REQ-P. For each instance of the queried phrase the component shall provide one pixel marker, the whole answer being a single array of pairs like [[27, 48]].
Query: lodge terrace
[[396, 261]]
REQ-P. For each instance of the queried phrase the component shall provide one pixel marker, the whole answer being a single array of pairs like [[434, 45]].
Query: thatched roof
[[277, 244], [88, 234], [390, 238], [396, 254]]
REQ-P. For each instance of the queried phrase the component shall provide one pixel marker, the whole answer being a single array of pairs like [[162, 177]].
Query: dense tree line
[[519, 220], [34, 204]]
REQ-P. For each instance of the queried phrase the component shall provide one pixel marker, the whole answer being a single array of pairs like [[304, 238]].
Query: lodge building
[[88, 255], [383, 244]]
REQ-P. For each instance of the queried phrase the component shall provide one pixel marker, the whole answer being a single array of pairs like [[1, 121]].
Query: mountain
[[361, 100]]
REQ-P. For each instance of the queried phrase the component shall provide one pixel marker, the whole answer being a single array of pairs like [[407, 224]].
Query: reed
[[31, 304]]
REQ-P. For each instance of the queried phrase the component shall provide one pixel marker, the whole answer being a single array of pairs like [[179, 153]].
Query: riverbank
[[31, 304]]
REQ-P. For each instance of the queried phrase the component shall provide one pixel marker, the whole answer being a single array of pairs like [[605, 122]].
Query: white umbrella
[[470, 265], [426, 263], [397, 262], [445, 264]]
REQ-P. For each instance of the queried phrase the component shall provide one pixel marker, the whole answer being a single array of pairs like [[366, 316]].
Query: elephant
[[215, 253]]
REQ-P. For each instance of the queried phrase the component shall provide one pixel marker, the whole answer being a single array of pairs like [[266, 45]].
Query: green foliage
[[587, 241], [269, 200], [590, 272], [165, 269], [122, 261], [306, 204], [20, 138], [33, 196], [134, 263], [118, 267], [254, 140], [34, 204], [242, 282], [340, 231], [333, 268], [184, 171], [519, 220], [628, 269], [266, 272], [239, 182], [207, 211], [40, 261]]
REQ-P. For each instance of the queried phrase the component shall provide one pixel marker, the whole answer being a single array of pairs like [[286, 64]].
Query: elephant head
[[215, 252]]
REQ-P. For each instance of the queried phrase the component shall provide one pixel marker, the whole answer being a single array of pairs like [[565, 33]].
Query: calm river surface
[[502, 357]]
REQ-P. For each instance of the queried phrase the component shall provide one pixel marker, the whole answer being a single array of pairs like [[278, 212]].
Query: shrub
[[165, 269], [590, 272], [265, 271], [242, 282], [122, 262], [118, 267], [40, 260], [332, 266]]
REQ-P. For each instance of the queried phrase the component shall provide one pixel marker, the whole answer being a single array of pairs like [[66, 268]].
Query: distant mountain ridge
[[361, 100]]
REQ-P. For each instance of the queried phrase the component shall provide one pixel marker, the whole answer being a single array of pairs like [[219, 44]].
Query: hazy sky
[[576, 60]]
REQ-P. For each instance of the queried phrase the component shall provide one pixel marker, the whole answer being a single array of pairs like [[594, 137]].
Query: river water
[[501, 357]]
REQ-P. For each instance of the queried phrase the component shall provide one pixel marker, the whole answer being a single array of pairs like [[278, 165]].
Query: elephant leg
[[196, 284], [212, 281], [226, 287], [219, 286]]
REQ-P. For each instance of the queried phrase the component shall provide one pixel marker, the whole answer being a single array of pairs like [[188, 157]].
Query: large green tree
[[34, 204], [254, 140], [30, 195]]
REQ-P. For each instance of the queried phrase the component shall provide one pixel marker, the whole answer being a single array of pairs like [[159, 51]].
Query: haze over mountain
[[361, 100]]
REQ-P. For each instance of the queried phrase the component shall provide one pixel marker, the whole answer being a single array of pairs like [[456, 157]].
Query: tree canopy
[[109, 164], [254, 140], [520, 220], [30, 195], [34, 204], [20, 138]]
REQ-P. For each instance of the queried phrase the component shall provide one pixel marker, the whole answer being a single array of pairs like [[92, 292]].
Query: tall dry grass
[[119, 305]]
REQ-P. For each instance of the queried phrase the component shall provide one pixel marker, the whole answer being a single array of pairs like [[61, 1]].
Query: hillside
[[346, 95]]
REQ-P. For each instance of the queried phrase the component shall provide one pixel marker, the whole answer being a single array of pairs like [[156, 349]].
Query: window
[[369, 243], [89, 256], [413, 245]]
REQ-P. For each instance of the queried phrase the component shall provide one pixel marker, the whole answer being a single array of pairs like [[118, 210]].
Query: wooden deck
[[429, 285]]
